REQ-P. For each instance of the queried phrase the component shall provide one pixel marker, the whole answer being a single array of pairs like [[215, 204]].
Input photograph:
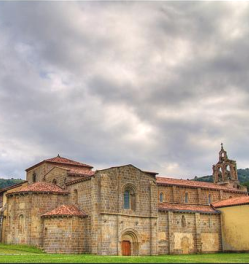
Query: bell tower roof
[[222, 154]]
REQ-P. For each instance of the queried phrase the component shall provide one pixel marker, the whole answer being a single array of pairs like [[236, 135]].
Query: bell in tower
[[225, 171]]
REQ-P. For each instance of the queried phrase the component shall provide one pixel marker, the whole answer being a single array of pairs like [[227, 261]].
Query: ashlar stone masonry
[[66, 207]]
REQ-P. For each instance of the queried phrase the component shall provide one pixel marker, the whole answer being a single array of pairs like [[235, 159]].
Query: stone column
[[153, 218], [198, 232], [94, 215], [1, 226], [199, 195], [174, 190], [119, 204], [171, 233]]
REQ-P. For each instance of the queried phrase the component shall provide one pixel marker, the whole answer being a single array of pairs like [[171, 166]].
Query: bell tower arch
[[225, 171]]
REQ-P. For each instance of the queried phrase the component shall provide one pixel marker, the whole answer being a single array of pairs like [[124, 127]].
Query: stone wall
[[40, 171], [176, 194], [81, 196], [210, 230], [163, 233], [138, 230], [57, 176], [110, 221], [64, 235], [23, 222], [185, 233]]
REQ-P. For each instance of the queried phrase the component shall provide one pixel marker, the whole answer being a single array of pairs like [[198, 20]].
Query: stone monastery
[[65, 206]]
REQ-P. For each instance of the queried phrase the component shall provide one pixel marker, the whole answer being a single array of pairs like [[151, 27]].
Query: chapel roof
[[232, 202], [187, 208], [77, 171], [40, 187], [194, 184], [78, 179], [80, 172], [60, 160], [65, 210]]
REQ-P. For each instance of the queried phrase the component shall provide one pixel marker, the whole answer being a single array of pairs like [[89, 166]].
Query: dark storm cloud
[[155, 84]]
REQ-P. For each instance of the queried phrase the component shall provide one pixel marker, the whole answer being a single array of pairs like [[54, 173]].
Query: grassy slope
[[26, 254], [18, 249], [56, 258]]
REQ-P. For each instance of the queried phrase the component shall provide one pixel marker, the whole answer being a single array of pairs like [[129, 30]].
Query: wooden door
[[126, 248]]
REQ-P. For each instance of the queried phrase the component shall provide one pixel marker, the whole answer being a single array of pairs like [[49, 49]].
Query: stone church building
[[67, 207]]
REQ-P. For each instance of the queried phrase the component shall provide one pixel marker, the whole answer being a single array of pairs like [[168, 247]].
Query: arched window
[[34, 177], [209, 199], [186, 197], [54, 181], [75, 196], [129, 198], [21, 224], [183, 221], [161, 197]]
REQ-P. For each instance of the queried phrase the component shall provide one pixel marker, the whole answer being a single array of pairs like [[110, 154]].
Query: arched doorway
[[129, 243]]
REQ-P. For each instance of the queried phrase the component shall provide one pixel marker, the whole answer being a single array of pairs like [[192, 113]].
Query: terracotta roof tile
[[61, 160], [65, 210], [232, 201], [195, 184], [80, 172], [40, 187], [78, 179], [186, 208]]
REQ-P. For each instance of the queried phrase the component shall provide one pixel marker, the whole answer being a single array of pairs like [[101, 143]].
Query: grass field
[[26, 254]]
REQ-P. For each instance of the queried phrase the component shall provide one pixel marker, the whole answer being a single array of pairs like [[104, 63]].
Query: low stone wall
[[188, 233], [64, 235]]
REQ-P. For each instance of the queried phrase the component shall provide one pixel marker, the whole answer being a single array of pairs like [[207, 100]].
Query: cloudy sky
[[156, 84]]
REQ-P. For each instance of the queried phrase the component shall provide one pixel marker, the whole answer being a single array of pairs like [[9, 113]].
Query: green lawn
[[26, 254]]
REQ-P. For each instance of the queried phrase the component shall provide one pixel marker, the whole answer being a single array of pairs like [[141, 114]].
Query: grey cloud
[[157, 84]]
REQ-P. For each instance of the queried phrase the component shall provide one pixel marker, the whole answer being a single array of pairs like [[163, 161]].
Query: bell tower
[[225, 171]]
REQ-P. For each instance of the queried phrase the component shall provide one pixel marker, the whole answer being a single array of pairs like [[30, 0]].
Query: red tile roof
[[232, 202], [40, 187], [186, 208], [78, 179], [194, 184], [80, 172], [65, 210], [61, 160]]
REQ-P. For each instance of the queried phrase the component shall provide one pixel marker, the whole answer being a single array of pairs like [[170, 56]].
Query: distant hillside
[[243, 175], [8, 182]]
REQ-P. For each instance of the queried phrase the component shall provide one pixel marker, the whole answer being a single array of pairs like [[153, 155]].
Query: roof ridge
[[40, 187], [58, 158], [232, 201], [195, 184]]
